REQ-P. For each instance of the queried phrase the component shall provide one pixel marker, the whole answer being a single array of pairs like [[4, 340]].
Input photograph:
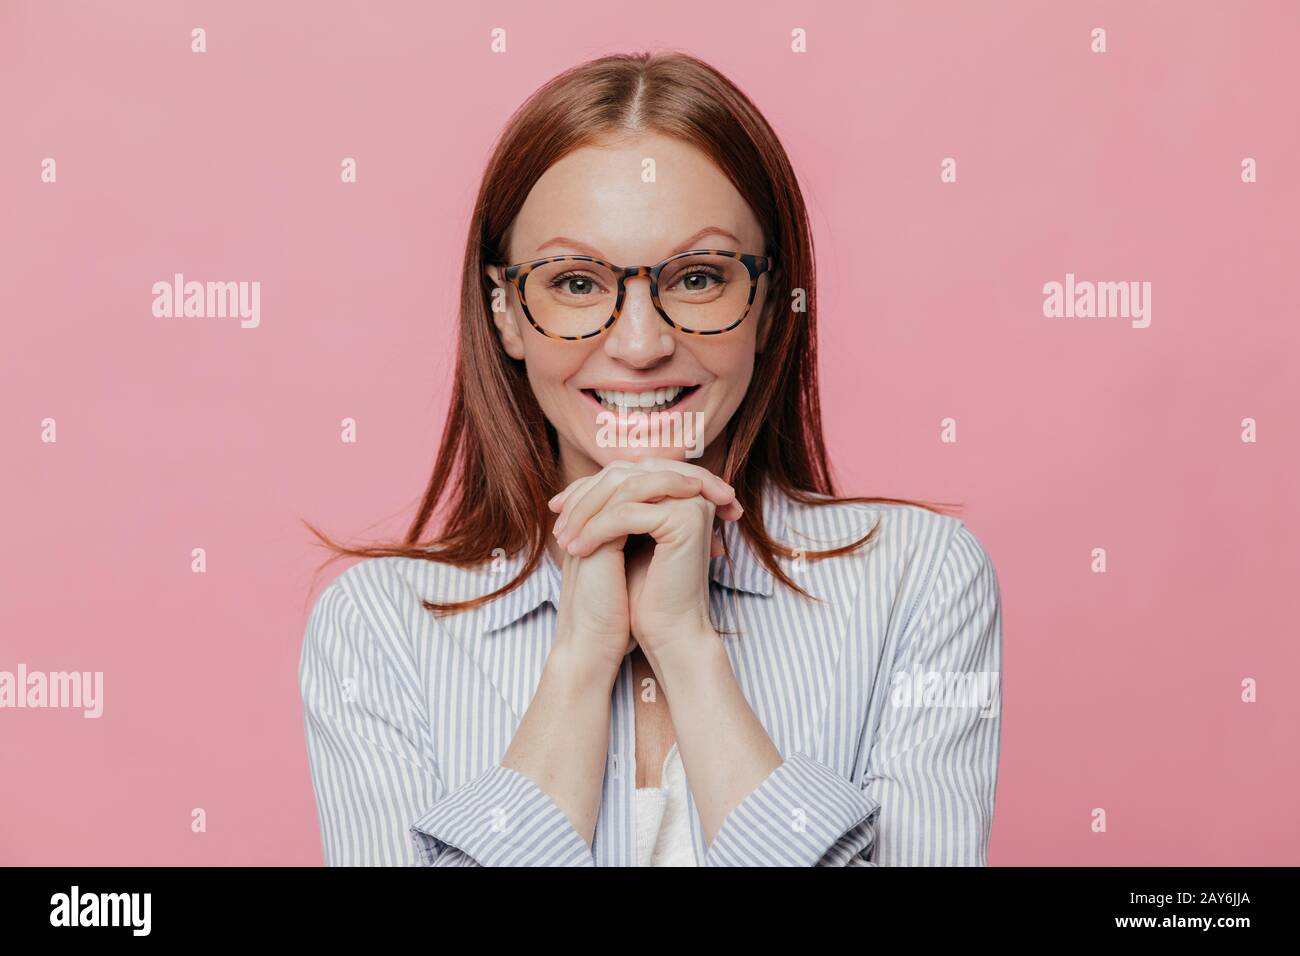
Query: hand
[[660, 513], [593, 626]]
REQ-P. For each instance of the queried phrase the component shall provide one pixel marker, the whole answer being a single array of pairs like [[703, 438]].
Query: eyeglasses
[[699, 292]]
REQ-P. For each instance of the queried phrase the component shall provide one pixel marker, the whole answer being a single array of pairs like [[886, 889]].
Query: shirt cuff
[[501, 818], [802, 814]]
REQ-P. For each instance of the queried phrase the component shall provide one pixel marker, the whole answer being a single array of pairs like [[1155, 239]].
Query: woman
[[645, 632]]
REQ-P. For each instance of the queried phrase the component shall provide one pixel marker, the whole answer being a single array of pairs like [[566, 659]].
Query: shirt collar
[[541, 586], [743, 572]]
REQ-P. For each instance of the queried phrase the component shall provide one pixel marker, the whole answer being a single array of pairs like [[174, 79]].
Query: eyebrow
[[595, 253]]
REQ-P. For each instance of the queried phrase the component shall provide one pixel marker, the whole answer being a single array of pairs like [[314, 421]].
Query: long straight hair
[[494, 474]]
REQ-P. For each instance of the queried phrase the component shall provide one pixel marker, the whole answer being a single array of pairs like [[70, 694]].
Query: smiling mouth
[[649, 402]]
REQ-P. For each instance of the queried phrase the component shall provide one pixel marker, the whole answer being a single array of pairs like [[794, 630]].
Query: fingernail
[[559, 525]]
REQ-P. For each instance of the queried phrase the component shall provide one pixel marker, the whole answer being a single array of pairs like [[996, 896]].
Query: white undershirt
[[663, 820]]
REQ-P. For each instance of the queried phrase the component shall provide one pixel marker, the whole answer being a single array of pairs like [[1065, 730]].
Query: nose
[[640, 338]]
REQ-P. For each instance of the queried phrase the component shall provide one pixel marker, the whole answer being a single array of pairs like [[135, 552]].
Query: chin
[[641, 454], [605, 456]]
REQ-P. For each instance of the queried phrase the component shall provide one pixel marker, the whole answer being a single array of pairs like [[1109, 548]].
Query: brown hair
[[494, 474]]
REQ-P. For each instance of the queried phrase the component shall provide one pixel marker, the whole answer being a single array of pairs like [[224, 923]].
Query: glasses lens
[[700, 292], [571, 297], [704, 293]]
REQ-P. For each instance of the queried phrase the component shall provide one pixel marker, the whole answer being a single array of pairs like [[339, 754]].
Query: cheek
[[550, 365], [733, 370], [736, 364]]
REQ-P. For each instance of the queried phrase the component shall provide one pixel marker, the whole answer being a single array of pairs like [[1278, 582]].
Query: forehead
[[634, 199]]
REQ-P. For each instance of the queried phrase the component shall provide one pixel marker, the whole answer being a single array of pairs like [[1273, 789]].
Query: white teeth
[[652, 400]]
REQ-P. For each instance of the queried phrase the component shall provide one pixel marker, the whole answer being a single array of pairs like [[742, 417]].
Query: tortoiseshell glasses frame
[[756, 265]]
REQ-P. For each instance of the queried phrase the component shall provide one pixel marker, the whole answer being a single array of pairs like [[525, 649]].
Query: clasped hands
[[637, 538]]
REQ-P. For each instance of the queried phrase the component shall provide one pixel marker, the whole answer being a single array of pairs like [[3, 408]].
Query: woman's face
[[596, 202]]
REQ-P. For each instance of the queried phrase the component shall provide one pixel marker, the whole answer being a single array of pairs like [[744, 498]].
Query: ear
[[503, 313]]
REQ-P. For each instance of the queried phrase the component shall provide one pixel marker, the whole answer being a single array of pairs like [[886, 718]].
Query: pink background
[[1122, 690]]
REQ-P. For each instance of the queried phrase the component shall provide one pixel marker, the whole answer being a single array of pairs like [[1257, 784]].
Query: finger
[[731, 511], [628, 486], [713, 488], [589, 499], [557, 501], [716, 490], [591, 495], [605, 478], [656, 519], [612, 473], [556, 504], [581, 486]]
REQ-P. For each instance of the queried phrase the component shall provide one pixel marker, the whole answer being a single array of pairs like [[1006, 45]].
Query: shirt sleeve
[[379, 793], [802, 814], [927, 795], [934, 761]]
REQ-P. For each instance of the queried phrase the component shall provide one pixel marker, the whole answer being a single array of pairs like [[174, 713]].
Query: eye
[[696, 279], [575, 283]]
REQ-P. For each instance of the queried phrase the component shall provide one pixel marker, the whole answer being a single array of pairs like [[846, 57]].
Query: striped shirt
[[882, 696]]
